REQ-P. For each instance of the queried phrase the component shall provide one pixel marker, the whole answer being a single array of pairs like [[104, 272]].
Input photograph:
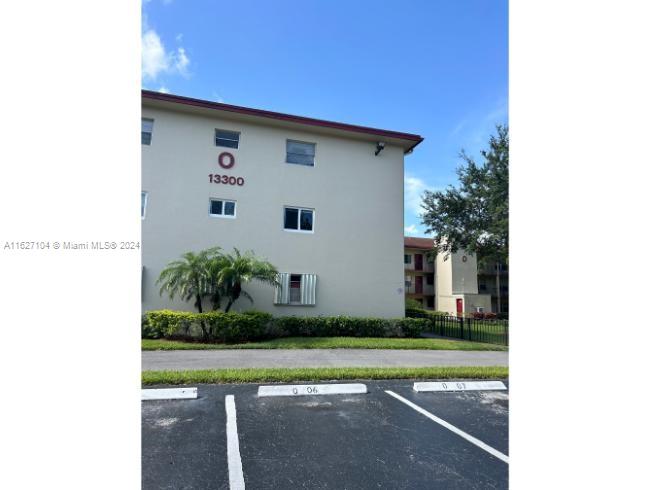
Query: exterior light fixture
[[380, 146]]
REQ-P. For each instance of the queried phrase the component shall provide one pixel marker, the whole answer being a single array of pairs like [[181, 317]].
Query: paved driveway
[[251, 358]]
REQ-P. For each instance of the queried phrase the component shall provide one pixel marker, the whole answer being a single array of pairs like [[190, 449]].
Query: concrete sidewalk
[[293, 358]]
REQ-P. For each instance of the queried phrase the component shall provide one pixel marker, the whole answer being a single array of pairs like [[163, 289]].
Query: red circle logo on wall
[[226, 160]]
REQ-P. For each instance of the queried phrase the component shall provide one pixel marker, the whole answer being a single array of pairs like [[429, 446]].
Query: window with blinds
[[301, 153], [146, 131], [295, 289]]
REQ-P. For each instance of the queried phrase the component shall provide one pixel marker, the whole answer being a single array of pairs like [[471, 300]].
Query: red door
[[459, 307], [418, 284], [418, 262]]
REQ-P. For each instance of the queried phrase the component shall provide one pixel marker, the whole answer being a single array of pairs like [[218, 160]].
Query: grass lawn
[[256, 375], [327, 343]]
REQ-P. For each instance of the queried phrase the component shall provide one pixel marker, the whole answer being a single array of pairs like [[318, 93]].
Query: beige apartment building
[[306, 194], [450, 285]]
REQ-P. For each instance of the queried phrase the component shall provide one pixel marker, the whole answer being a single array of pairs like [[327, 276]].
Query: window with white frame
[[299, 219], [143, 204], [229, 139], [408, 258], [295, 289], [222, 208], [146, 131], [301, 153]]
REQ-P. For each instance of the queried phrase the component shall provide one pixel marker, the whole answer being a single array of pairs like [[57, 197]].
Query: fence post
[[469, 329], [462, 327]]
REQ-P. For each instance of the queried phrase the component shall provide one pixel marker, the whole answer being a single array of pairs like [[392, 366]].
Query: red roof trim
[[178, 99], [418, 242]]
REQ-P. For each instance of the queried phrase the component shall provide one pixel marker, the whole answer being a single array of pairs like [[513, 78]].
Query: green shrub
[[413, 327], [257, 325], [412, 303], [235, 327], [166, 323], [422, 313]]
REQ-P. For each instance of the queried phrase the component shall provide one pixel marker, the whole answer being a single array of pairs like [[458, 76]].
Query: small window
[[407, 259], [147, 130], [294, 288], [229, 139], [430, 302], [299, 219], [301, 153], [430, 279], [143, 204], [222, 208]]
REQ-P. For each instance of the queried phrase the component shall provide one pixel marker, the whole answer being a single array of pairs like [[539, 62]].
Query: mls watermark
[[68, 245]]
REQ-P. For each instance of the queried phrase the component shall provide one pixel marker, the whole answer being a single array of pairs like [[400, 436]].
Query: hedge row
[[253, 325], [422, 313]]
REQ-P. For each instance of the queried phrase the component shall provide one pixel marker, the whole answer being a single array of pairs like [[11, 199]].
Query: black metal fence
[[490, 331]]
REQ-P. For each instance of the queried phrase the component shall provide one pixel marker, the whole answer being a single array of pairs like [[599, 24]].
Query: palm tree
[[189, 278], [232, 270]]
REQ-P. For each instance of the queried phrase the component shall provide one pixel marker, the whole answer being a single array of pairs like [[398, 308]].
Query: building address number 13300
[[226, 161]]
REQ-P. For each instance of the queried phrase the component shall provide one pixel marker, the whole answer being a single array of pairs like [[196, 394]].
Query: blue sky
[[436, 68]]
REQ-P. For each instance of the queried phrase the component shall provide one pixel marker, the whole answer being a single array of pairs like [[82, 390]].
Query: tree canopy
[[473, 216]]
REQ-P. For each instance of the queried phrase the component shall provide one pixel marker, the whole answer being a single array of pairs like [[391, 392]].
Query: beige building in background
[[443, 285], [306, 194]]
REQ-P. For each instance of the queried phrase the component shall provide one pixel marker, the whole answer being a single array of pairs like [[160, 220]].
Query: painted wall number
[[225, 179]]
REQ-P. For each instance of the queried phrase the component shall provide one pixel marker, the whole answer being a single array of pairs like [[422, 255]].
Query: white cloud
[[181, 61], [413, 189], [163, 90], [409, 230], [157, 61]]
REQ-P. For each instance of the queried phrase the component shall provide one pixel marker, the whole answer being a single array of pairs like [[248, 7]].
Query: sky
[[431, 67]]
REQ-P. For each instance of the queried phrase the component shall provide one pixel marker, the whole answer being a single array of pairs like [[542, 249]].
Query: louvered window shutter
[[282, 291], [308, 289]]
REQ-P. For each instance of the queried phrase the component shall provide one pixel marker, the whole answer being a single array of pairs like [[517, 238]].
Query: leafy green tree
[[230, 271], [474, 215]]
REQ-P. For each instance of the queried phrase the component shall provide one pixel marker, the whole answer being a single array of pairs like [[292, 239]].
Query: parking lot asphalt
[[358, 441], [272, 358]]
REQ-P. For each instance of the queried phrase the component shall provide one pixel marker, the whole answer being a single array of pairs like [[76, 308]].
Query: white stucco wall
[[356, 249]]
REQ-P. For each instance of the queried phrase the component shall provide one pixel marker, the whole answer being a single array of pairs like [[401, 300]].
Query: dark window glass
[[306, 220], [216, 207], [229, 139], [291, 218], [430, 302], [229, 209], [143, 203], [430, 279], [300, 153], [407, 259], [294, 288]]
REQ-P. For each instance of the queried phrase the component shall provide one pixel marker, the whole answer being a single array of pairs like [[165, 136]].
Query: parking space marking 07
[[452, 428], [459, 386], [235, 471], [301, 390]]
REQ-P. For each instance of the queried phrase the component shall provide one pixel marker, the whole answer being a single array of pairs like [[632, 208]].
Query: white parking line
[[455, 430], [169, 394], [235, 471], [302, 390]]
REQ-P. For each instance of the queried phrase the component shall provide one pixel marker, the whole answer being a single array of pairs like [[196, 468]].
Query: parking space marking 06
[[455, 430], [302, 390], [459, 386], [235, 471]]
